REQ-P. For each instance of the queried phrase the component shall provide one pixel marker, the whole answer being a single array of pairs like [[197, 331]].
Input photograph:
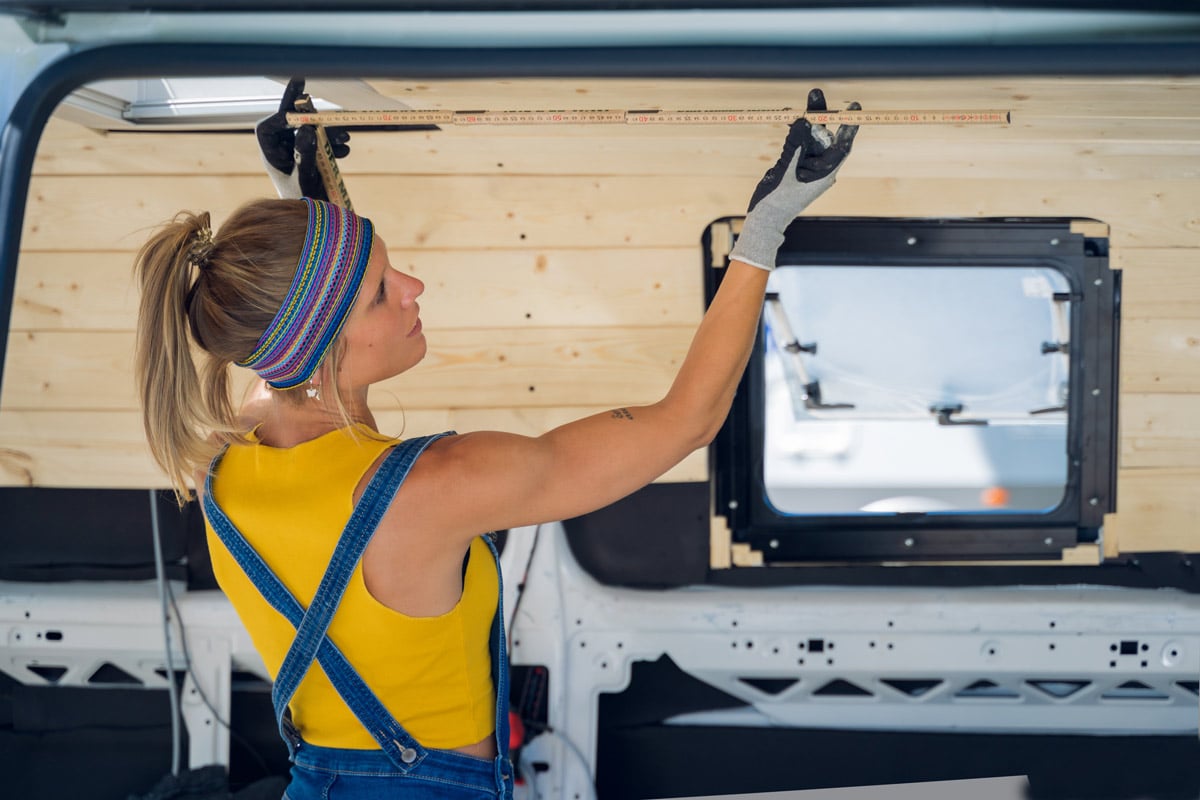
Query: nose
[[410, 287]]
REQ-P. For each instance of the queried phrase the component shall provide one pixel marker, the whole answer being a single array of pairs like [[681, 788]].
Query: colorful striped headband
[[332, 264]]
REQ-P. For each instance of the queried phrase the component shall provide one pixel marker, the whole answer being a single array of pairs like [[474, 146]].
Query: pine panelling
[[1157, 510], [95, 448], [1160, 355], [572, 253], [1160, 430], [606, 366], [74, 291], [68, 370], [1159, 283], [611, 366], [627, 287], [106, 448], [519, 212], [1160, 307], [1082, 149], [67, 148]]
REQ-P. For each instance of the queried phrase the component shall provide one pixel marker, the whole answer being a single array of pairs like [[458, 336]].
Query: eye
[[381, 295]]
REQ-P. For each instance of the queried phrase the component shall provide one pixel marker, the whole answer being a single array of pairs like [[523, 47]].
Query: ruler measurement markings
[[650, 117]]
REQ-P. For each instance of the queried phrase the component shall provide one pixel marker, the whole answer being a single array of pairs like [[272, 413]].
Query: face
[[382, 336]]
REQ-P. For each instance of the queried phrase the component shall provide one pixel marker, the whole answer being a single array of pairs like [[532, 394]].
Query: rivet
[[909, 542], [408, 755], [910, 241], [1049, 542], [1098, 282], [1095, 392], [1054, 242], [774, 544], [733, 504], [1094, 501]]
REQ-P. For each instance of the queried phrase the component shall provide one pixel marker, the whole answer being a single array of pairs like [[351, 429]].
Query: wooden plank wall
[[562, 264]]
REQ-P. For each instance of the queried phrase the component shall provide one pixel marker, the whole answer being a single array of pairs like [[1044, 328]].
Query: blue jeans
[[325, 773], [401, 767]]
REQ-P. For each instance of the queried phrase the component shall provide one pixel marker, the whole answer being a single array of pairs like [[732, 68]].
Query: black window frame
[[739, 493]]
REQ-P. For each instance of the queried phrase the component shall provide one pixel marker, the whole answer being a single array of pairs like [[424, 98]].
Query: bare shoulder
[[457, 488]]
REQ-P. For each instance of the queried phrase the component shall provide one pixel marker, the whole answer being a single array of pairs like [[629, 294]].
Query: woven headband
[[333, 261]]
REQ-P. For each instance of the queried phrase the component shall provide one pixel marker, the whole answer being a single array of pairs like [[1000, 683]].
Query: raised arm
[[508, 480]]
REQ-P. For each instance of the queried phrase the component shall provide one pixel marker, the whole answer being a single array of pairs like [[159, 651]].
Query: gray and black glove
[[806, 168], [290, 154]]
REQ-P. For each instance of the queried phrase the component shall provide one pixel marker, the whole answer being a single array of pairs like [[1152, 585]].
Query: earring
[[313, 391]]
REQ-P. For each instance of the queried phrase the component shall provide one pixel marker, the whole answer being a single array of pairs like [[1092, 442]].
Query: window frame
[[1069, 246]]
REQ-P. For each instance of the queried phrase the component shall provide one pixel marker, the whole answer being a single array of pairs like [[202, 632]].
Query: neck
[[283, 422]]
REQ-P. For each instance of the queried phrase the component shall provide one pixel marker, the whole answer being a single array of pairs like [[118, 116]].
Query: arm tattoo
[[622, 413]]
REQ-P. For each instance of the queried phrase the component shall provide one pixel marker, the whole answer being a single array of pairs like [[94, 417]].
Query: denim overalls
[[401, 767]]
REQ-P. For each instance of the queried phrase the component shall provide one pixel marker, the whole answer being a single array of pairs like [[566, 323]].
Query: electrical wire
[[187, 657], [512, 623], [574, 748], [167, 594], [172, 689]]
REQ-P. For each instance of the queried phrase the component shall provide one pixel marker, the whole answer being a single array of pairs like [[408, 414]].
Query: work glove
[[806, 168], [290, 154]]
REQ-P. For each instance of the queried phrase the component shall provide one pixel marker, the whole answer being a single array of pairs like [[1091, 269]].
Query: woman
[[310, 507]]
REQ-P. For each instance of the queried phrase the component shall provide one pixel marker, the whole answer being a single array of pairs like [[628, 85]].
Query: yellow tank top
[[432, 673]]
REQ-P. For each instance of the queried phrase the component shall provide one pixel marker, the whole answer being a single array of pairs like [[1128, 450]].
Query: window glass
[[916, 389]]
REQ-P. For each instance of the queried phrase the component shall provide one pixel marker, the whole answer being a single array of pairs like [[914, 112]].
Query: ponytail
[[217, 295]]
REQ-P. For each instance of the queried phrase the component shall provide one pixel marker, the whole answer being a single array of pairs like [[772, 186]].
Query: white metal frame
[[589, 635], [81, 627], [1027, 643]]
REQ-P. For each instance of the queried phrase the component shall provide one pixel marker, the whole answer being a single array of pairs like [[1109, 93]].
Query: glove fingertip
[[295, 88], [816, 100]]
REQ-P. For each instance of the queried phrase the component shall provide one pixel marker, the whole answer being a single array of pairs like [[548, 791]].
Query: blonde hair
[[218, 294]]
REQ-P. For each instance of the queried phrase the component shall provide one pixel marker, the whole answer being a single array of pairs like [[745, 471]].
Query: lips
[[415, 329]]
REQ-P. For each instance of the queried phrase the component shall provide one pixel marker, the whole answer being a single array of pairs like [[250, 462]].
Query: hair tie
[[333, 261], [201, 247]]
